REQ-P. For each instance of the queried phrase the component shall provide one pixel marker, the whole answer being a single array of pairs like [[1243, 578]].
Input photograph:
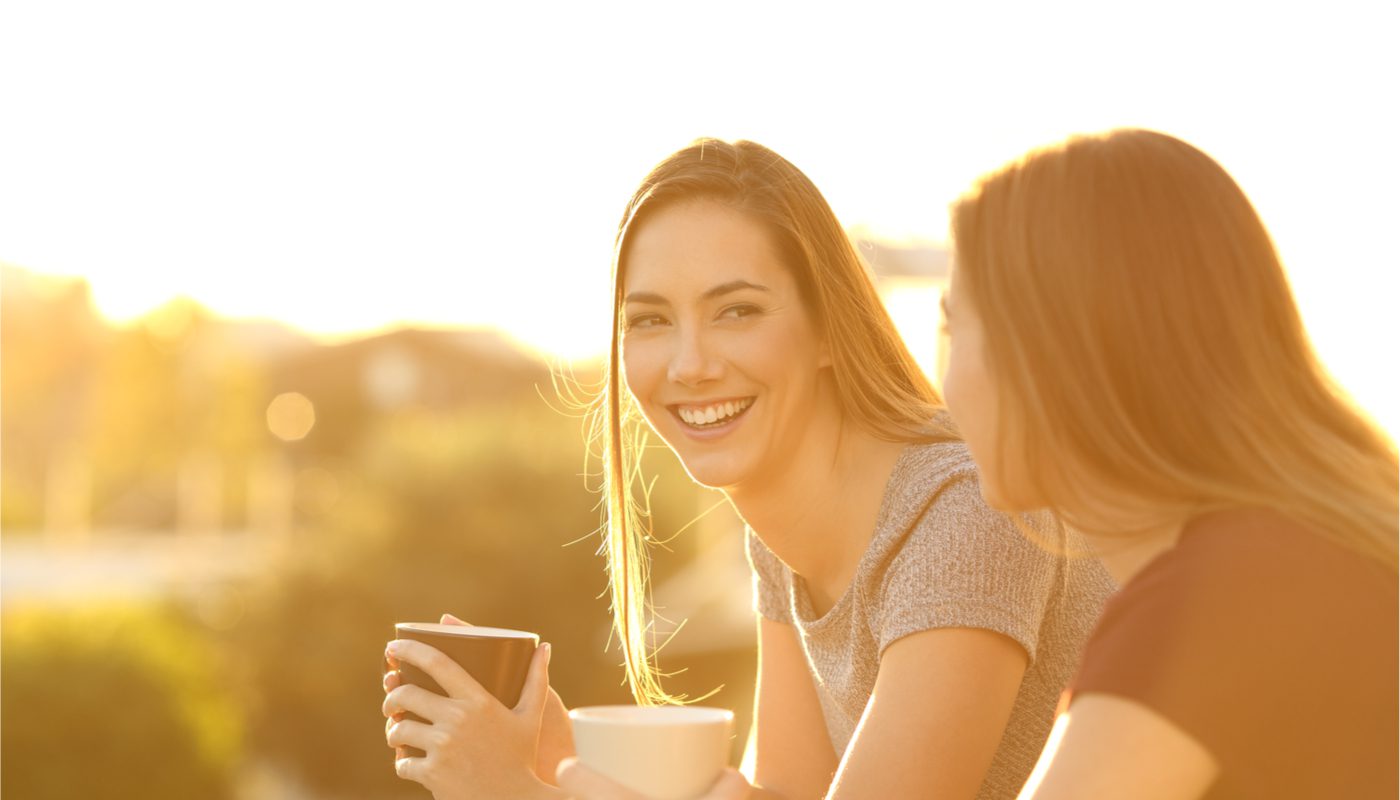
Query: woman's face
[[971, 391], [719, 350]]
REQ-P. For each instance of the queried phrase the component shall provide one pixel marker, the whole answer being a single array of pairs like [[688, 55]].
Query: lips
[[711, 414]]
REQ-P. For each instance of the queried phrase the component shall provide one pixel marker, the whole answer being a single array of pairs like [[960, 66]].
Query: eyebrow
[[710, 294]]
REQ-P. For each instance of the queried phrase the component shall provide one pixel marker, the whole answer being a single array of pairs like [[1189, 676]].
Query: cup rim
[[671, 715], [465, 631]]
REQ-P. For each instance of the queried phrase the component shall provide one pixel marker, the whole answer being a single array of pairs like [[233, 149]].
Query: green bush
[[114, 704]]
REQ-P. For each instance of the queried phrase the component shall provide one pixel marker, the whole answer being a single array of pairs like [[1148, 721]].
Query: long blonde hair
[[877, 381], [1140, 323]]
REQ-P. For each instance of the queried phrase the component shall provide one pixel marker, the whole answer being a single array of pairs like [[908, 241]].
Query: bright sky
[[346, 165]]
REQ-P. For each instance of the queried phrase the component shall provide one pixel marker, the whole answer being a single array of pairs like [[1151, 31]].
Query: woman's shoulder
[[1263, 550], [1253, 579], [1255, 629], [926, 469], [936, 514], [938, 485]]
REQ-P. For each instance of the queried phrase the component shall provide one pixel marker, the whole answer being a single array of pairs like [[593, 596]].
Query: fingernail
[[393, 648]]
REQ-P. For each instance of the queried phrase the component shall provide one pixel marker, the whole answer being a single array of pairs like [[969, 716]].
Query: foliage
[[470, 514], [115, 704]]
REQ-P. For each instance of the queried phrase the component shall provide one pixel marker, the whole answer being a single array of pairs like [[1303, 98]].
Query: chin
[[712, 473]]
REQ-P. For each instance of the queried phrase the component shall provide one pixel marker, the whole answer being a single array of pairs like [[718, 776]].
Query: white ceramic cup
[[662, 752]]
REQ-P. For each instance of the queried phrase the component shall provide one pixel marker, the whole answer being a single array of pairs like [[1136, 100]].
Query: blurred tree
[[114, 704], [51, 345]]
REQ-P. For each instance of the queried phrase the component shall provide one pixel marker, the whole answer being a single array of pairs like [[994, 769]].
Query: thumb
[[448, 619], [536, 689]]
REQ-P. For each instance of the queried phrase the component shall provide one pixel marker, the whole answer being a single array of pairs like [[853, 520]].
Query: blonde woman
[[912, 642], [1126, 352]]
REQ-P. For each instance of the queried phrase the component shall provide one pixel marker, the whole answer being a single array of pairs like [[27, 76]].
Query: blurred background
[[286, 291]]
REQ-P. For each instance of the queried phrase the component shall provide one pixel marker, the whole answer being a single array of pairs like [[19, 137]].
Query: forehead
[[692, 246]]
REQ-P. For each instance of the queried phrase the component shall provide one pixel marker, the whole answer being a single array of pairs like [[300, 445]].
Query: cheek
[[642, 369], [972, 400], [967, 391]]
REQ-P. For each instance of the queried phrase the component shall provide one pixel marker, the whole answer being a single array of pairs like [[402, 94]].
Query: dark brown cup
[[496, 657]]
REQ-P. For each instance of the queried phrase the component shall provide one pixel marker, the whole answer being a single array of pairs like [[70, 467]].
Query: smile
[[712, 415]]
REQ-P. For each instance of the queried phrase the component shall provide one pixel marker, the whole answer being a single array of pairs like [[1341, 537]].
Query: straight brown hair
[[1137, 314]]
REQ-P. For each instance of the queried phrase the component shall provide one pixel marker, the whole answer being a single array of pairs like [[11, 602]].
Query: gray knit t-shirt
[[940, 558]]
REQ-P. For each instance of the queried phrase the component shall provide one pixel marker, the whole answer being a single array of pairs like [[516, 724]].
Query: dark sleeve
[[1268, 652]]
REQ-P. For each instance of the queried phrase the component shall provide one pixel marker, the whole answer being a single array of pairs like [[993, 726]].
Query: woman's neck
[[1125, 554], [819, 514]]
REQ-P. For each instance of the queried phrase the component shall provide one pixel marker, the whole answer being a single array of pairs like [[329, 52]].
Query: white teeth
[[709, 415]]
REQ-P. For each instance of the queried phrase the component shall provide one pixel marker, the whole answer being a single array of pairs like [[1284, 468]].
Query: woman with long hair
[[912, 641], [1126, 353]]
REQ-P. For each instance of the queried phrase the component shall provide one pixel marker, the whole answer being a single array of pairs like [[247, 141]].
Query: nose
[[693, 363]]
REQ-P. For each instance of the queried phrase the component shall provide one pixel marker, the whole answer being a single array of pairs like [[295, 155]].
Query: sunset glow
[[346, 167]]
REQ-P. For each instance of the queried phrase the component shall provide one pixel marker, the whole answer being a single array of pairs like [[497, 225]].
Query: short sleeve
[[772, 581], [965, 565], [1185, 638], [1274, 650]]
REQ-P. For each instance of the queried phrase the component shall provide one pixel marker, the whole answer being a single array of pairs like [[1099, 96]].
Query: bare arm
[[793, 757], [940, 706], [1110, 747], [931, 729]]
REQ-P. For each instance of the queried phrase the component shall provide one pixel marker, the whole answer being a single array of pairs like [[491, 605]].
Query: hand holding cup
[[475, 738]]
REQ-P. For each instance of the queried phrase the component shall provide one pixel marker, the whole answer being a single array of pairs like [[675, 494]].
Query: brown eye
[[645, 321], [740, 311]]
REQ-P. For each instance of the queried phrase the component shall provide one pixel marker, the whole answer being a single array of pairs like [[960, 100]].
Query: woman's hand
[[556, 732], [583, 783], [474, 746]]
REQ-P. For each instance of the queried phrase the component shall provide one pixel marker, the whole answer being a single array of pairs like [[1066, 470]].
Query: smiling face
[[718, 348]]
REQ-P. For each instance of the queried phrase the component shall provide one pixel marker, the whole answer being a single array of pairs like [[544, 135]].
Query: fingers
[[411, 769], [448, 619], [583, 783], [536, 689], [428, 705], [392, 680], [451, 677], [412, 734]]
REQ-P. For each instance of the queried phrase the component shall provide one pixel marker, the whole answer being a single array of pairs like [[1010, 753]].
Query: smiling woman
[[897, 614], [717, 337]]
